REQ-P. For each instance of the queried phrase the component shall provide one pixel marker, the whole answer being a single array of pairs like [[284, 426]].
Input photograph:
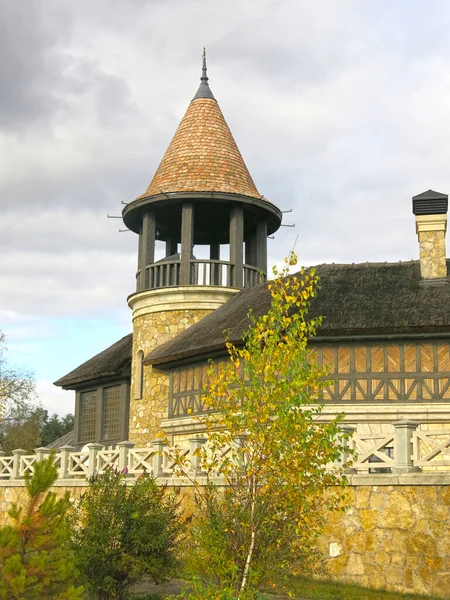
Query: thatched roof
[[112, 362], [358, 300], [68, 439]]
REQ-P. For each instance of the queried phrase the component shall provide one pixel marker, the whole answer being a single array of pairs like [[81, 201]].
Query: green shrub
[[123, 534], [199, 590], [216, 549], [36, 562]]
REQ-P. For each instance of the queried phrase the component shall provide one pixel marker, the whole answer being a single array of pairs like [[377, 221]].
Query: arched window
[[139, 380]]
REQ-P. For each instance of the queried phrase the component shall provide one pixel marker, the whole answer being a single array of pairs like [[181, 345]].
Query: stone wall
[[16, 492], [432, 254], [394, 537], [149, 331], [394, 534]]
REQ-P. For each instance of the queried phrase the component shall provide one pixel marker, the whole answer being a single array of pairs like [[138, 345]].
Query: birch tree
[[268, 445]]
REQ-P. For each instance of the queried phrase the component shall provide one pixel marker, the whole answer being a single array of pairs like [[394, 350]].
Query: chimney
[[430, 209]]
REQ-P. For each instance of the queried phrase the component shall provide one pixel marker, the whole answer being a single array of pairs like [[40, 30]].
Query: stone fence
[[409, 449]]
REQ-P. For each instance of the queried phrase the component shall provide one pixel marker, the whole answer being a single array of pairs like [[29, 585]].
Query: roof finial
[[204, 91], [204, 76]]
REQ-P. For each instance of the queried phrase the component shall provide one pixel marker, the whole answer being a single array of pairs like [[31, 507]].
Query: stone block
[[424, 572], [377, 501], [396, 543], [409, 578], [336, 566], [376, 581], [362, 496], [356, 542], [397, 513], [440, 584], [445, 495], [368, 519], [398, 559], [421, 544], [382, 558], [394, 575], [443, 545], [371, 542], [355, 565], [426, 494]]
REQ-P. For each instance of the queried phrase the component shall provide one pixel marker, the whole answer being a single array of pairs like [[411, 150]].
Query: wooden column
[[237, 245], [171, 247], [187, 241], [214, 254], [139, 274], [261, 246], [250, 249], [147, 238]]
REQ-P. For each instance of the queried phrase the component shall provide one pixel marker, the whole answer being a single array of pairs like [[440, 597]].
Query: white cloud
[[54, 399], [339, 109]]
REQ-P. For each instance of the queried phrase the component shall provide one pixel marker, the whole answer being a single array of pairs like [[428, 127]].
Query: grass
[[311, 589]]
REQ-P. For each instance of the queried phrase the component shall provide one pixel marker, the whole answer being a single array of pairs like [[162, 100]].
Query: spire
[[204, 91]]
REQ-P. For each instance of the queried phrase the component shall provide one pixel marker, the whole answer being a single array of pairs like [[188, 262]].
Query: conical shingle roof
[[203, 156]]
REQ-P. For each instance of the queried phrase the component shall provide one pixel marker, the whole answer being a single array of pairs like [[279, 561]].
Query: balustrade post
[[18, 453], [42, 453], [124, 450], [403, 453], [240, 443], [2, 466], [157, 458], [64, 466], [348, 430], [195, 445], [93, 451]]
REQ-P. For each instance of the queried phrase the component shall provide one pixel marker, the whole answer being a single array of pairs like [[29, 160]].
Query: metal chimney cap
[[430, 203]]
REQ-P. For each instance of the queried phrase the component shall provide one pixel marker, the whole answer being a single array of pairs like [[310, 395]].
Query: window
[[111, 413], [88, 411], [101, 414]]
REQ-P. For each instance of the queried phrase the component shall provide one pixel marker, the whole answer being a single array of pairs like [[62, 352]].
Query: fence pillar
[[18, 453], [42, 453], [124, 449], [403, 452], [195, 445], [93, 451], [64, 465], [157, 458], [347, 444]]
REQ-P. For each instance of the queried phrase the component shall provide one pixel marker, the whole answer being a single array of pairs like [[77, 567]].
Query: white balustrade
[[431, 448], [408, 449]]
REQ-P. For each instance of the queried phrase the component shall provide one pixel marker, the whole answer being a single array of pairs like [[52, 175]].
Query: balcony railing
[[203, 272]]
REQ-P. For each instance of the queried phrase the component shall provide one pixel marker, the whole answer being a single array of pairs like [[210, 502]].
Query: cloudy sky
[[340, 109]]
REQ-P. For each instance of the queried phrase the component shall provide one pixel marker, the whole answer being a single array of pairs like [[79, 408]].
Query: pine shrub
[[36, 561]]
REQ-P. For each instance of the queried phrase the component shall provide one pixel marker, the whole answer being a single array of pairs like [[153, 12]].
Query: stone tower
[[201, 200]]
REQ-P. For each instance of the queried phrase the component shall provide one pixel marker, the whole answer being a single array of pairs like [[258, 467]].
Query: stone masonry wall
[[17, 493], [432, 254], [149, 331], [391, 537]]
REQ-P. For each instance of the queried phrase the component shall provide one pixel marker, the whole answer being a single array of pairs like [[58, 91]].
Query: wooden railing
[[407, 450], [203, 272]]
